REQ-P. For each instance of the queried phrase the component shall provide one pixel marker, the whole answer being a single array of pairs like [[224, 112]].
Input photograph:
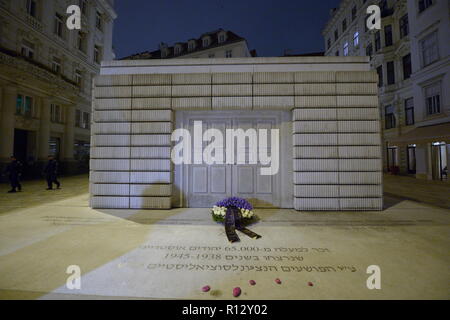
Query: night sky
[[270, 26]]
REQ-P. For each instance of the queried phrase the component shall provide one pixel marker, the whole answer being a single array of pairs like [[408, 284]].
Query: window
[[19, 104], [78, 78], [86, 123], [369, 50], [177, 50], [377, 41], [424, 4], [78, 118], [380, 76], [407, 69], [356, 39], [83, 6], [211, 55], [433, 98], [344, 25], [55, 113], [404, 26], [409, 111], [31, 8], [336, 34], [388, 36], [206, 42], [328, 43], [24, 105], [346, 49], [336, 53], [354, 13], [389, 117], [27, 49], [429, 49], [97, 54], [98, 21], [221, 38], [391, 157], [56, 65], [81, 41], [191, 45], [59, 25], [228, 54], [390, 68]]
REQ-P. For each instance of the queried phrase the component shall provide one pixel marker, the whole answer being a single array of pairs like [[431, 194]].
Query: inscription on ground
[[240, 259]]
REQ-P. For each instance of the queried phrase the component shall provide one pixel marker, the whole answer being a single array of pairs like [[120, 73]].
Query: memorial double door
[[209, 183]]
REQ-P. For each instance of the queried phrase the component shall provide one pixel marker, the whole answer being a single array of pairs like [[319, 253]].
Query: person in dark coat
[[14, 169], [51, 171]]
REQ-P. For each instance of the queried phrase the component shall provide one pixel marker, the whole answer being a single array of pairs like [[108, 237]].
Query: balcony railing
[[29, 65], [33, 22]]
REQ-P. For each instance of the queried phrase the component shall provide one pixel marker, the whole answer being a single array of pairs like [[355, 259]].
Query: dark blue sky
[[270, 26]]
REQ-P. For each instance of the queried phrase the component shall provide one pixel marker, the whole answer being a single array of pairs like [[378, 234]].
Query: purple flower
[[235, 202]]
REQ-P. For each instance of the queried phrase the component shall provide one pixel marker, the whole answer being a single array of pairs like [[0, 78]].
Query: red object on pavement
[[278, 281], [206, 288], [236, 292], [252, 282], [310, 284]]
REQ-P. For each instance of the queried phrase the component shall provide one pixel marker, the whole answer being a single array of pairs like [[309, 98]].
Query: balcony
[[40, 71], [33, 22]]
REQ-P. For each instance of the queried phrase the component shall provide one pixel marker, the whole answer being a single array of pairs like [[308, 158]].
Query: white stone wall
[[336, 136]]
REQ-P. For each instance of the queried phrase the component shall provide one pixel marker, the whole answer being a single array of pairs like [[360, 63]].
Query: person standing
[[51, 171], [14, 169]]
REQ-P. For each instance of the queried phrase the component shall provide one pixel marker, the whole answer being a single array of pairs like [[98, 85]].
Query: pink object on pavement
[[252, 282], [206, 288], [278, 281], [236, 292]]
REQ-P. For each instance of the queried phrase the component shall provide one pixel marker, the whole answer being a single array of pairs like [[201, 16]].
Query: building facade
[[46, 73], [411, 54], [216, 44], [325, 110]]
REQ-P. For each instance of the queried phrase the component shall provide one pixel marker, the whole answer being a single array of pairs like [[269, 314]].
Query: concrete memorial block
[[273, 102], [230, 103], [335, 128], [315, 77], [315, 101], [151, 103], [232, 90], [235, 78], [150, 190], [115, 140], [150, 177], [149, 140], [110, 153], [196, 103], [102, 202], [112, 104], [109, 177], [315, 89], [110, 189], [314, 114]]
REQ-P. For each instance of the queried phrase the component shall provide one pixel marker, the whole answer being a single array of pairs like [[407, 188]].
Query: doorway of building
[[439, 161], [411, 158]]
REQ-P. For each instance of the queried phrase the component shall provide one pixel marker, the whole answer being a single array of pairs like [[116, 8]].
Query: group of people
[[14, 172]]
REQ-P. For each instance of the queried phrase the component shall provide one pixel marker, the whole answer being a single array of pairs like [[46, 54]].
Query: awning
[[439, 132]]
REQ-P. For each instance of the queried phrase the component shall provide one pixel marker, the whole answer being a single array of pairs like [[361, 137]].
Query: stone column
[[7, 121], [69, 134], [44, 130]]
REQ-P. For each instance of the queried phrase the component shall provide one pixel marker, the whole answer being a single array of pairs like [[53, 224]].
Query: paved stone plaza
[[174, 253]]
